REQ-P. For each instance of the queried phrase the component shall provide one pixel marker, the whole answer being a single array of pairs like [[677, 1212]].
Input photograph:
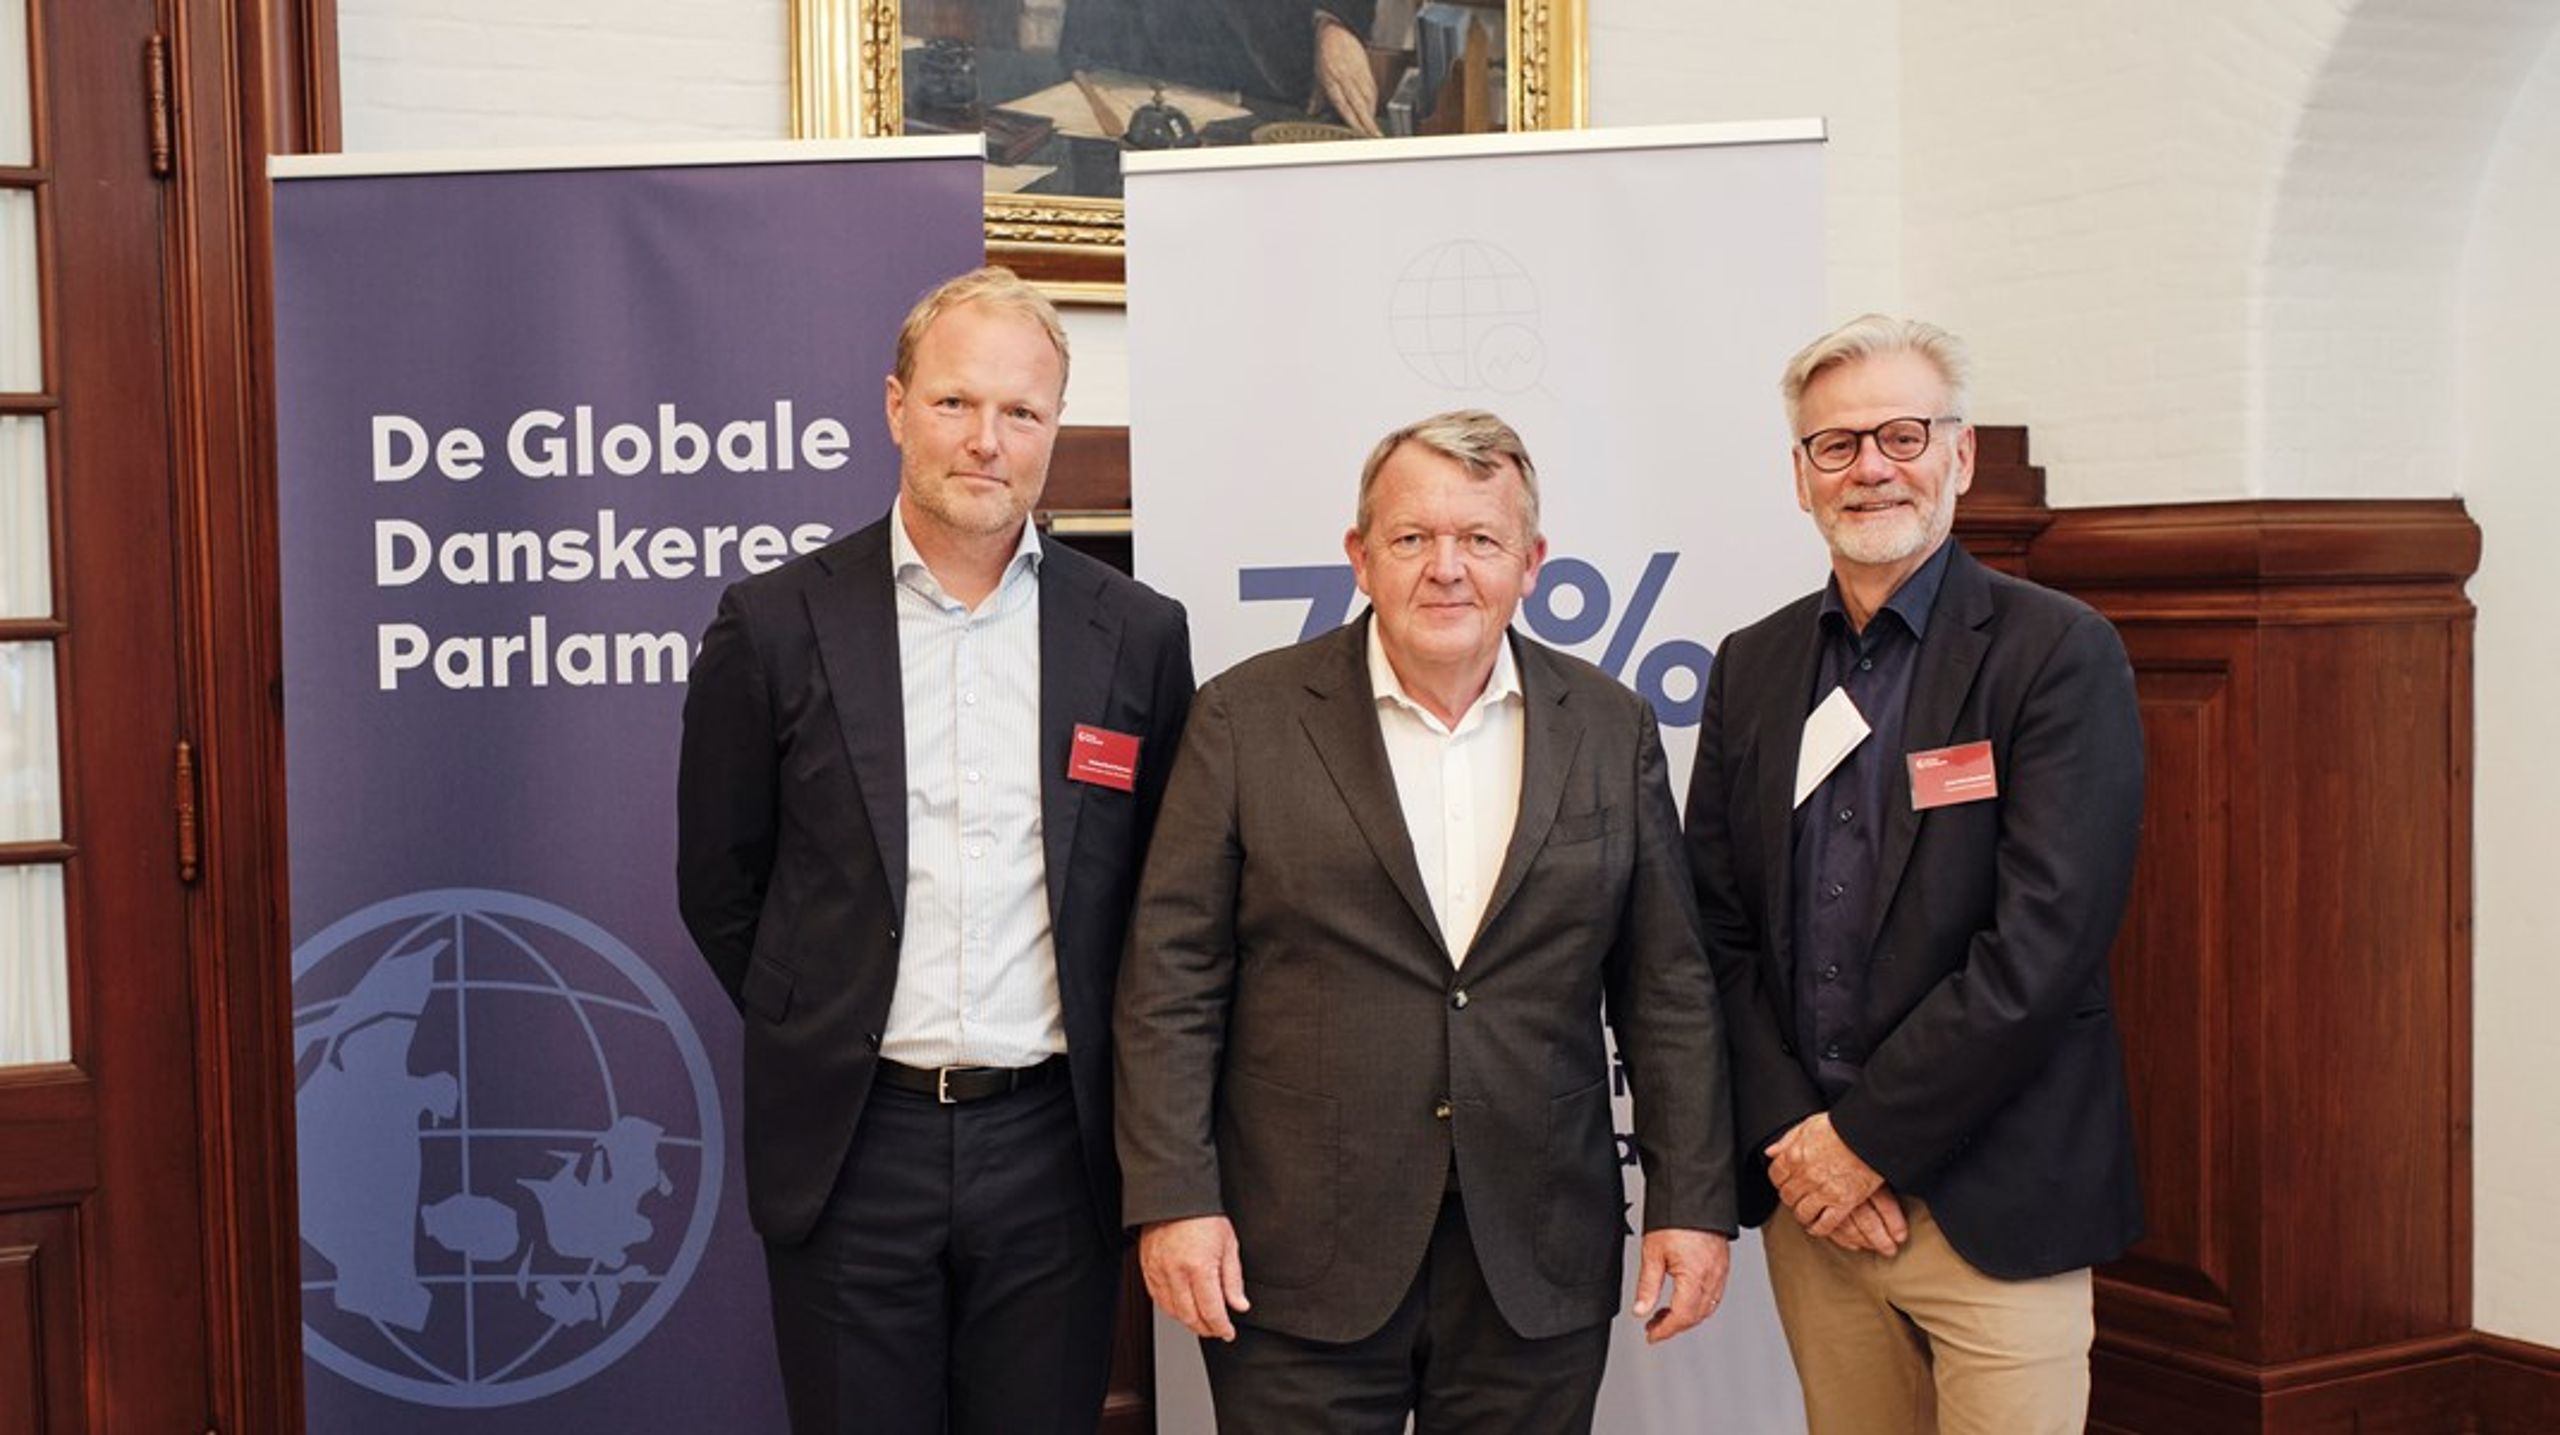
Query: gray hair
[[1474, 437], [1867, 336]]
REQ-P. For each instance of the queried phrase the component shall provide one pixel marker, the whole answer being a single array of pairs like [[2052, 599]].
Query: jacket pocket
[[1581, 1223], [1280, 1166], [1572, 827], [767, 990]]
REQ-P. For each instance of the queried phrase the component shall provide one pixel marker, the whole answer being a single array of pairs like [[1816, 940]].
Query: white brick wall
[[2380, 187], [1685, 62], [2507, 372], [462, 74], [2086, 188]]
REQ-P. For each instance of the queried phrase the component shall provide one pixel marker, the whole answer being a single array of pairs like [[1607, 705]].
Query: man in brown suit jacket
[[1364, 1095]]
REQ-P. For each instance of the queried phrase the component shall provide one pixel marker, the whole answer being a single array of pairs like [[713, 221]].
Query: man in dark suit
[[1913, 820], [920, 766], [1364, 1092]]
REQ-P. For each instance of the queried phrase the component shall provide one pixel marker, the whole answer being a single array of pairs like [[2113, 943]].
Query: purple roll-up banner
[[534, 413]]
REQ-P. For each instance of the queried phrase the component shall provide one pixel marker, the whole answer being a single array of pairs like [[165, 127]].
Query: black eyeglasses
[[1901, 440]]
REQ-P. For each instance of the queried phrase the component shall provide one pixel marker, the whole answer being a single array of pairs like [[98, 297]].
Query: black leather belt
[[953, 1085]]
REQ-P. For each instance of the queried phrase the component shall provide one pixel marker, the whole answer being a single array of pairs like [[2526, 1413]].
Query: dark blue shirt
[[1839, 830]]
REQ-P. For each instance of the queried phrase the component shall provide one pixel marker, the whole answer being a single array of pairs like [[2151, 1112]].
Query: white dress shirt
[[977, 967], [1460, 787]]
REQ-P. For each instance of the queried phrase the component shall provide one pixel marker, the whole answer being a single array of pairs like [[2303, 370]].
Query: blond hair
[[997, 288]]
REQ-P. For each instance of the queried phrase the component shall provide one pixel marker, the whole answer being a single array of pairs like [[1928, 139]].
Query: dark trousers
[[1446, 1357], [958, 1280]]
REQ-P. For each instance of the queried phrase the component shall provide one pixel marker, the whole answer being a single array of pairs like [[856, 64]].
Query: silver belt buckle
[[942, 1086]]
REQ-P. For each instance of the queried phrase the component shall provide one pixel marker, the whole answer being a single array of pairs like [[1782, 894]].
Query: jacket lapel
[[1551, 735], [1784, 705], [1959, 634], [855, 614], [1079, 645], [1342, 723]]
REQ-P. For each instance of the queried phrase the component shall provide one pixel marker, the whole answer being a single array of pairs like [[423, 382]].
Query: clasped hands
[[1195, 1274], [1833, 1193]]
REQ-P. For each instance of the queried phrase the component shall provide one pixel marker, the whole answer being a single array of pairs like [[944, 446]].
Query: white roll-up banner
[[1625, 298]]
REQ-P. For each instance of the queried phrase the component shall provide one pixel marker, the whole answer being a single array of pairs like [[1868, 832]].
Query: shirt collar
[[1911, 602], [907, 564], [1503, 686]]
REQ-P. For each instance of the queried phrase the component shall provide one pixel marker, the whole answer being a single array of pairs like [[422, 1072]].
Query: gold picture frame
[[848, 81]]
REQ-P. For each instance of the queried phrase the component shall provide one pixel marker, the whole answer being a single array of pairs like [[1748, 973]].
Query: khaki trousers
[[1924, 1344]]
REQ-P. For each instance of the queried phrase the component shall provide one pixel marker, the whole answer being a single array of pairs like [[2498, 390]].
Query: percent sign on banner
[[1329, 588]]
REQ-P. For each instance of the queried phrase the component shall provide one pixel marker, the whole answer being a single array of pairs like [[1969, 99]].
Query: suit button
[[1831, 973], [1831, 1051], [873, 1038], [1458, 999], [893, 934], [1440, 1109]]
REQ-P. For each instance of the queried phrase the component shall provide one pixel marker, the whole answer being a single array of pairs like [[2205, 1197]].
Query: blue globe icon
[[511, 1147], [1463, 315]]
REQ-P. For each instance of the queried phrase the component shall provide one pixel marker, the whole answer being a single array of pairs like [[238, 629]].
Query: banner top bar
[[1462, 146], [499, 161]]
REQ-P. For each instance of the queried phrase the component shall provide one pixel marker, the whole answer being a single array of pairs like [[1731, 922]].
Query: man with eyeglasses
[[1912, 822], [1364, 1103]]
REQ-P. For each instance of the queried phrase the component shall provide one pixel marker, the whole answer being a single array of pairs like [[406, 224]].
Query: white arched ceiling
[[2353, 389]]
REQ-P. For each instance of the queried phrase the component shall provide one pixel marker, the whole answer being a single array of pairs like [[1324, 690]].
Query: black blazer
[[1298, 1053], [1994, 1089], [791, 835]]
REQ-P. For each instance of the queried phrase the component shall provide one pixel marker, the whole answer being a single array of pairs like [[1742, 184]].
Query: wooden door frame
[[247, 81]]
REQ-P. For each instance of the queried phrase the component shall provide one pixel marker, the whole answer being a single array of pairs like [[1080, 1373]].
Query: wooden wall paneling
[[2297, 1025], [2178, 983], [2363, 1241], [1089, 471], [42, 1353], [2515, 1387], [22, 1341], [2004, 512]]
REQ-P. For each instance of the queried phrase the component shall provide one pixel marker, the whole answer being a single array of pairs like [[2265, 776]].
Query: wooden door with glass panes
[[103, 1326]]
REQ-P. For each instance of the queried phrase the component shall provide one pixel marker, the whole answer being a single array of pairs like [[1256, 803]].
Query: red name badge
[[1945, 776], [1103, 757]]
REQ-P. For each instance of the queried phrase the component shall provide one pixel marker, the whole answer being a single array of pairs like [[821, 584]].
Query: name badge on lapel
[[1103, 757], [1945, 776]]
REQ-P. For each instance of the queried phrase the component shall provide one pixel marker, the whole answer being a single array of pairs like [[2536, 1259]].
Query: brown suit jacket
[[1298, 1051]]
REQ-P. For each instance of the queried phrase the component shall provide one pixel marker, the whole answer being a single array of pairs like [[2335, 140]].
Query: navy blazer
[[1994, 1085], [791, 836]]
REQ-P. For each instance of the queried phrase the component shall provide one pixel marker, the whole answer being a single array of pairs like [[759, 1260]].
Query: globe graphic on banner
[[1464, 315], [510, 1147]]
